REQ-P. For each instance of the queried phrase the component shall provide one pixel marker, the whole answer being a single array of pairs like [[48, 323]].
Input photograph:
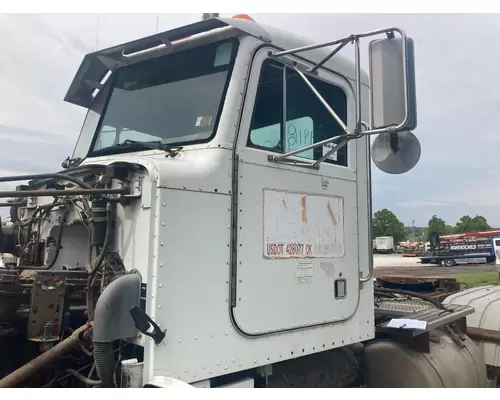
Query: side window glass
[[268, 137], [307, 119], [300, 133]]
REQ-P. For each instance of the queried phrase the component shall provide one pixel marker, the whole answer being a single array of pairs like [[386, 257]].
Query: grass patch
[[477, 279]]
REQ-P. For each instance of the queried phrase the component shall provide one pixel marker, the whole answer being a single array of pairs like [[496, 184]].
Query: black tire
[[449, 262]]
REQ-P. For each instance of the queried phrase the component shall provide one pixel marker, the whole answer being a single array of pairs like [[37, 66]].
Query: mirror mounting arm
[[323, 101], [342, 139], [288, 161], [343, 43], [355, 39], [331, 152], [388, 127], [340, 144]]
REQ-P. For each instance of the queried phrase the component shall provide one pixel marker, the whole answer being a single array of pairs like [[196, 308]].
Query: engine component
[[446, 366], [56, 243], [6, 238], [99, 219], [117, 171], [60, 262], [105, 362], [47, 299], [27, 189], [42, 361], [11, 294], [112, 321], [66, 192]]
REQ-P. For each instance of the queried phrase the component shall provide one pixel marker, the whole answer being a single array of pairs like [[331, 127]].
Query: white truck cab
[[241, 153], [253, 252]]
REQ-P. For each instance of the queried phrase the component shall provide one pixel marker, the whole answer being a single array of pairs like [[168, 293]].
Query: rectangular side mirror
[[392, 95]]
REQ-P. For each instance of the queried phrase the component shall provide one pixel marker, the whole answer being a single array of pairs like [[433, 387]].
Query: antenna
[[396, 153], [157, 22]]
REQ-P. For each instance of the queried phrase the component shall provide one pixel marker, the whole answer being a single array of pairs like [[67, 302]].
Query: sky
[[458, 97]]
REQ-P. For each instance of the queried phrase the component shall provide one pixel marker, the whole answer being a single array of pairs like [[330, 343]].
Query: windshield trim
[[99, 153]]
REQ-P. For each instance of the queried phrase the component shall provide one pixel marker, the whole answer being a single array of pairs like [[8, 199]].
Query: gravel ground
[[395, 264]]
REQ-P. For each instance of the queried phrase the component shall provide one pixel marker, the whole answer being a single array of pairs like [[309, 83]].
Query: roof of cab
[[95, 66]]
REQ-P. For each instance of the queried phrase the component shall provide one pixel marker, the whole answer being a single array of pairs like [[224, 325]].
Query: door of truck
[[297, 233]]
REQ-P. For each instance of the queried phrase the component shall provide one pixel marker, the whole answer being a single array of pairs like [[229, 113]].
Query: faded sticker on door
[[298, 225]]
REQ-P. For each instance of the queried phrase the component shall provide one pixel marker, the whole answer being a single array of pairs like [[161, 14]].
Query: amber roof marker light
[[243, 16], [236, 16]]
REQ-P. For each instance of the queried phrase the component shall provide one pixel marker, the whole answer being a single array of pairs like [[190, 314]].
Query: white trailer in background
[[384, 244]]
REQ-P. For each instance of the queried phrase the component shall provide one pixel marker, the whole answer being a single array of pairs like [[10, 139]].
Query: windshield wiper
[[138, 145]]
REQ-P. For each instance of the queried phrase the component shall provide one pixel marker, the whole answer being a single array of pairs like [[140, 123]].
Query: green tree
[[385, 223], [449, 229], [469, 224], [437, 225]]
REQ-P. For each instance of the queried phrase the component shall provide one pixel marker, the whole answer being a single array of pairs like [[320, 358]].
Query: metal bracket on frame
[[46, 310]]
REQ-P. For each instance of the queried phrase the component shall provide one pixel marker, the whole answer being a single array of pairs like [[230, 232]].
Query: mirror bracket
[[288, 161], [342, 141], [409, 121]]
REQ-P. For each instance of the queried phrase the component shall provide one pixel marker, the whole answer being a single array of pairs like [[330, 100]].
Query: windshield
[[176, 99]]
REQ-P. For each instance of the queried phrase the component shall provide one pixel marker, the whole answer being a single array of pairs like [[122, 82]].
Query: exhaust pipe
[[112, 321]]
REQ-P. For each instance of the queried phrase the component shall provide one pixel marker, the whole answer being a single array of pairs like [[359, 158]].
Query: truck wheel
[[449, 263]]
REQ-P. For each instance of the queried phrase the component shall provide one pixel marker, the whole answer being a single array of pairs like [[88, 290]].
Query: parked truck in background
[[451, 249], [384, 244], [212, 227]]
